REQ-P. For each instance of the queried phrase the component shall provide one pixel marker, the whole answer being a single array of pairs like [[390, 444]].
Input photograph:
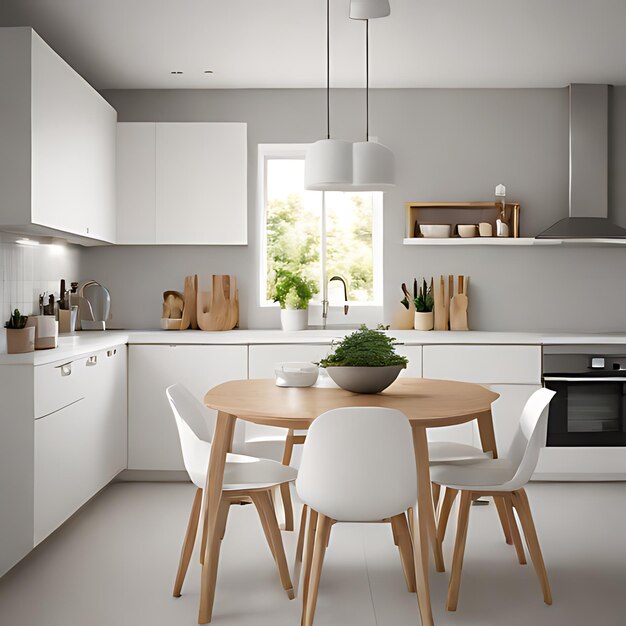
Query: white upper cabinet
[[57, 155], [136, 183], [182, 183]]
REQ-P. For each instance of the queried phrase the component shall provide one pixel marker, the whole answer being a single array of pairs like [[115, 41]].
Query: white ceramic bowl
[[298, 374], [441, 231], [467, 230]]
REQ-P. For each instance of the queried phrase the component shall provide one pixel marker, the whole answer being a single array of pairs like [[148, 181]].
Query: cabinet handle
[[112, 352], [66, 369], [92, 360]]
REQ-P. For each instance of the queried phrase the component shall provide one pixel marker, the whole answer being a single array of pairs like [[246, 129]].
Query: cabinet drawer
[[484, 364], [62, 458], [58, 385]]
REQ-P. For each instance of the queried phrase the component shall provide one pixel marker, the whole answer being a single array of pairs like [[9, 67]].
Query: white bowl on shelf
[[296, 374], [467, 230], [435, 231]]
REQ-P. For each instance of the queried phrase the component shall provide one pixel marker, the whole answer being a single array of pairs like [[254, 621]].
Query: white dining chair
[[246, 479], [504, 478], [343, 478]]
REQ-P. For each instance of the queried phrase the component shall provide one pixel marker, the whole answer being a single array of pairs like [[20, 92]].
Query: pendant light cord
[[367, 80], [328, 69]]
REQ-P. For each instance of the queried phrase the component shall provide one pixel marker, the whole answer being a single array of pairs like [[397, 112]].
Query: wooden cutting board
[[219, 308], [441, 308], [458, 308], [189, 301]]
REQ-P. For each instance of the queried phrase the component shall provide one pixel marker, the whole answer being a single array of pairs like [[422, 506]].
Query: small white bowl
[[467, 230], [296, 374], [439, 231]]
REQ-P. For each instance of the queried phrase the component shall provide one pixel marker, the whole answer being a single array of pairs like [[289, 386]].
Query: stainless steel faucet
[[346, 307]]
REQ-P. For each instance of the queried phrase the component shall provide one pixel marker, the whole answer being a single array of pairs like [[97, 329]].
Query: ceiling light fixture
[[328, 163], [25, 241], [373, 163], [369, 9]]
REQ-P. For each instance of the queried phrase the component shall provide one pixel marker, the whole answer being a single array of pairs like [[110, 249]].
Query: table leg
[[488, 443], [221, 445], [422, 526]]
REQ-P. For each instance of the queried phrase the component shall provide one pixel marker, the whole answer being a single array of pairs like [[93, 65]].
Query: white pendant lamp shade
[[373, 166], [369, 9], [328, 166]]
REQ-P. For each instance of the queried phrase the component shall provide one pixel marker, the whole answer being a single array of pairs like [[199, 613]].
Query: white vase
[[294, 319], [424, 321]]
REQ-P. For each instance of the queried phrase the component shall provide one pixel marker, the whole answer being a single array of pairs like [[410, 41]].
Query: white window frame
[[367, 312]]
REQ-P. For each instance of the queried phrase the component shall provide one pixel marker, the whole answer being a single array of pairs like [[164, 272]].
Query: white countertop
[[71, 346]]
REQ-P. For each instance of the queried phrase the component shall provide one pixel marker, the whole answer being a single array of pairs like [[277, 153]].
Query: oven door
[[587, 411]]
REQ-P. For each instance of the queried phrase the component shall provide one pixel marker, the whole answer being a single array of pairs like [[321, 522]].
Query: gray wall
[[450, 145]]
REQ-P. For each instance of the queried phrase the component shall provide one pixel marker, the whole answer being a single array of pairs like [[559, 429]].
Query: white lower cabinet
[[512, 371], [152, 437], [81, 446]]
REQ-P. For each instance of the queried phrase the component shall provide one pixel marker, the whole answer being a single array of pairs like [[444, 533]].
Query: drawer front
[[484, 364], [62, 458], [58, 385]]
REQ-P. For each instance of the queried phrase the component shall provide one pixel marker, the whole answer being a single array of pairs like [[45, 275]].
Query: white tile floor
[[114, 563]]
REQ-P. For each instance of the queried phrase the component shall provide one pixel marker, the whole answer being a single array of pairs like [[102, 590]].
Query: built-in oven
[[589, 408]]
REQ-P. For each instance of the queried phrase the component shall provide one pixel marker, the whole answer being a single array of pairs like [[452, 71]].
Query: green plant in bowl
[[365, 361]]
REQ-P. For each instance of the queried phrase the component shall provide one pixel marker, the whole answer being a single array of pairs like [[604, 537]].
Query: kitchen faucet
[[346, 308]]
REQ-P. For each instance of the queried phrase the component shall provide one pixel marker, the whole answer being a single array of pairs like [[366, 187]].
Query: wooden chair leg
[[444, 513], [321, 539], [459, 551], [436, 489], [263, 502], [308, 556], [285, 489], [301, 535], [190, 537], [517, 540], [504, 521], [211, 576], [520, 500], [405, 548], [264, 525], [204, 522]]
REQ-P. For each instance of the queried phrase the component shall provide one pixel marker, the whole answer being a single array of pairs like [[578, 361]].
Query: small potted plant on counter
[[365, 361], [424, 303], [293, 293], [19, 337]]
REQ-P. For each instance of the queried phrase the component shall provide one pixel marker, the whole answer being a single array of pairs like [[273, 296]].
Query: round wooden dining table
[[426, 403]]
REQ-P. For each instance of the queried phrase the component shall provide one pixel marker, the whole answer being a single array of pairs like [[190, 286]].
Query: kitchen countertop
[[71, 346]]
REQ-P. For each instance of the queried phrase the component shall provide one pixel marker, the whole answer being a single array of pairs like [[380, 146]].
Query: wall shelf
[[509, 241], [479, 241]]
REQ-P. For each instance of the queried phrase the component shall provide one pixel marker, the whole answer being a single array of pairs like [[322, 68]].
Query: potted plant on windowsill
[[365, 361], [20, 338], [293, 293], [424, 304]]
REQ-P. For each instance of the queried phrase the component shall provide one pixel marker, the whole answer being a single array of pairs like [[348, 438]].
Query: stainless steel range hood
[[588, 168]]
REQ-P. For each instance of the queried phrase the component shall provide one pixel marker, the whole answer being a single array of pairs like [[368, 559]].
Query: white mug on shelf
[[502, 229]]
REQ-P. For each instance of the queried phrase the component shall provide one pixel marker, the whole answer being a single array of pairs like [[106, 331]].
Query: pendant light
[[373, 163], [369, 9], [328, 163]]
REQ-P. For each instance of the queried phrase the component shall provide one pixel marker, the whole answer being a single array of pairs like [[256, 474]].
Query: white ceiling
[[128, 44]]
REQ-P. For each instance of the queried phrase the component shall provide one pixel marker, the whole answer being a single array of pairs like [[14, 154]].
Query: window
[[304, 230]]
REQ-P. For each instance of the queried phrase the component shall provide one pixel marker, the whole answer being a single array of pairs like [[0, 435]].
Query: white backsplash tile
[[27, 271]]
